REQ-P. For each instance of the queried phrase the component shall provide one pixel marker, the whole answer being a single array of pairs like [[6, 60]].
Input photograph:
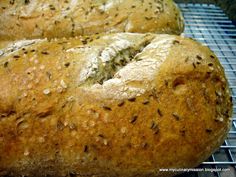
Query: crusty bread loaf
[[118, 105], [30, 19]]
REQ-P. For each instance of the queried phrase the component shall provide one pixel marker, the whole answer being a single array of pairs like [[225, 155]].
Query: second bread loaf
[[65, 18]]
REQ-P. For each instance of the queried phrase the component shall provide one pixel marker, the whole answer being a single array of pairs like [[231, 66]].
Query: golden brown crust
[[120, 105], [65, 18]]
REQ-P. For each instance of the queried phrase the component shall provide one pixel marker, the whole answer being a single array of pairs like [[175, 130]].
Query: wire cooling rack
[[208, 24]]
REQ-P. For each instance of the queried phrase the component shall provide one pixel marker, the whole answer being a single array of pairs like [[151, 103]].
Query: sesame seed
[[186, 59], [175, 42], [16, 56], [144, 145], [86, 148], [166, 83], [145, 102], [101, 135], [42, 67], [67, 64], [24, 94], [60, 125], [211, 68], [49, 75], [27, 2], [106, 108], [26, 152], [63, 84], [219, 119], [12, 2], [148, 18], [5, 64], [159, 112], [218, 93], [41, 139], [208, 130], [121, 103], [44, 53], [29, 86], [105, 142], [154, 127], [199, 57], [70, 98], [91, 123], [132, 99], [182, 132], [46, 91], [133, 119], [176, 116], [52, 7], [123, 130], [212, 56], [84, 42], [59, 89]]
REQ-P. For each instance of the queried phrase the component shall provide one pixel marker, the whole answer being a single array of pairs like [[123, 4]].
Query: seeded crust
[[110, 106], [67, 18]]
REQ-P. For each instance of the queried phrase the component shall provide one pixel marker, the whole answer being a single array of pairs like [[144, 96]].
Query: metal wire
[[208, 24]]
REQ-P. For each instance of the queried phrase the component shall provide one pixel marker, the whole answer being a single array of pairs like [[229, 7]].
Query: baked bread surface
[[31, 19], [118, 105]]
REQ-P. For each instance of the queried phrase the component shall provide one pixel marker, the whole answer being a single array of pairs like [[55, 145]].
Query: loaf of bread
[[29, 19], [117, 105]]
